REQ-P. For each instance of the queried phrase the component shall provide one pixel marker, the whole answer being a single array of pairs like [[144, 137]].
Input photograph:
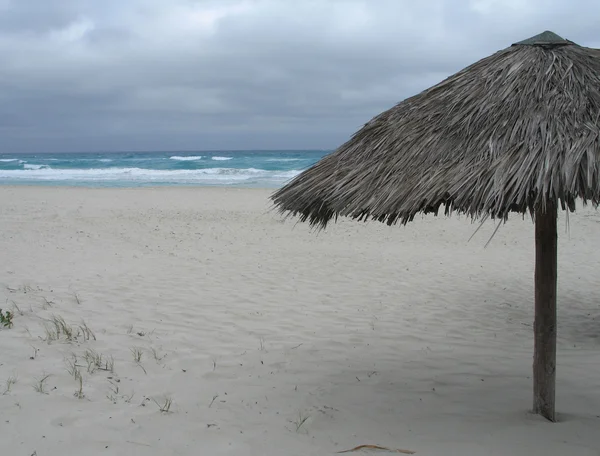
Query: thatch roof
[[510, 132]]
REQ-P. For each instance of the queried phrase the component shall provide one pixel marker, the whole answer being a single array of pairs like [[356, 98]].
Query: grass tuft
[[97, 361], [86, 332], [165, 407], [10, 381], [57, 328], [72, 366], [40, 384], [300, 421], [6, 318], [79, 392], [114, 391], [47, 303], [157, 357], [137, 353]]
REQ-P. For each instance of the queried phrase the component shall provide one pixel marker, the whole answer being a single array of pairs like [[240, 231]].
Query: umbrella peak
[[546, 38]]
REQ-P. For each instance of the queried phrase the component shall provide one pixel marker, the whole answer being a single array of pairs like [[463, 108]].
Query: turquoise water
[[267, 169]]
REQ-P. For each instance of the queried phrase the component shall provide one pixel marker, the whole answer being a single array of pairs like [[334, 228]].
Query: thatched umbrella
[[518, 131]]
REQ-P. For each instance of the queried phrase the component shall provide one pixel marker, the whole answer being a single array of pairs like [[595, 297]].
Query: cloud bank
[[81, 75]]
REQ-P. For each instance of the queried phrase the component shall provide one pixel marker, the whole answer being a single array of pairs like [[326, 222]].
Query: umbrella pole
[[544, 358]]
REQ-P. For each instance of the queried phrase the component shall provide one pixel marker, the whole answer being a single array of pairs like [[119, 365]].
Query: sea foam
[[190, 158], [207, 175]]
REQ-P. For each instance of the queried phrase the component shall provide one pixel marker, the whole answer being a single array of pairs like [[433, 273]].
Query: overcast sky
[[92, 75]]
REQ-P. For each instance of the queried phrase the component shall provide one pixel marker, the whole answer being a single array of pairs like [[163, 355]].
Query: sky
[[110, 75]]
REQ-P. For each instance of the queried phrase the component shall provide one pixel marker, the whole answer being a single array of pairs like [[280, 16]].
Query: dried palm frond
[[509, 133]]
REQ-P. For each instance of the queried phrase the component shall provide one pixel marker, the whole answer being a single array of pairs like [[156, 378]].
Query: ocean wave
[[105, 160], [10, 160], [208, 175], [33, 166], [190, 158], [217, 158], [284, 159]]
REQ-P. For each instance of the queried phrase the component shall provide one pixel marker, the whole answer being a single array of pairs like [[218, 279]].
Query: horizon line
[[186, 151]]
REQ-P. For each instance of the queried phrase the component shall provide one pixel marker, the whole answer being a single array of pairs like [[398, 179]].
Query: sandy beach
[[195, 321]]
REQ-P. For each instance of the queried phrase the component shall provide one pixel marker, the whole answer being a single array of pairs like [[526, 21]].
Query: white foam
[[217, 158], [208, 175], [10, 160], [190, 158], [105, 160], [34, 166]]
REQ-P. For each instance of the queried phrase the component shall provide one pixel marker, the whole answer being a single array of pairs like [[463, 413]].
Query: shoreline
[[142, 187], [156, 187]]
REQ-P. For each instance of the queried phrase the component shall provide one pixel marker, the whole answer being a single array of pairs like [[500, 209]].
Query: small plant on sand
[[73, 369], [6, 318], [47, 303], [137, 353], [51, 333], [79, 391], [10, 381], [56, 328], [165, 406], [109, 365], [300, 421], [86, 332], [128, 399], [64, 328], [72, 366], [157, 357], [140, 332], [98, 361], [114, 391], [40, 384], [92, 359]]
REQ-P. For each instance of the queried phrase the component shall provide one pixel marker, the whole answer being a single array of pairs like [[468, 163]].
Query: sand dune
[[270, 339]]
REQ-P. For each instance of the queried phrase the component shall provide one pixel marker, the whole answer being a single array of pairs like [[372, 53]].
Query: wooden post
[[544, 357]]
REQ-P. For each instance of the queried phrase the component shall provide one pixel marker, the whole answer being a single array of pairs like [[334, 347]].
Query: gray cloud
[[183, 74]]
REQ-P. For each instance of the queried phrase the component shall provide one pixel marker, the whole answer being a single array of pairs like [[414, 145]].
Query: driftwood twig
[[376, 447]]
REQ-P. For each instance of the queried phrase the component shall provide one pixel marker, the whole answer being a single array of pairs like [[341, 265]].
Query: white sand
[[403, 337]]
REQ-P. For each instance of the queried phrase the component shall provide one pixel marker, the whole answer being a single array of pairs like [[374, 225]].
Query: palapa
[[518, 131]]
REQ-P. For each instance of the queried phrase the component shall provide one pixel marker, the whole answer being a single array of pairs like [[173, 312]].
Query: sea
[[250, 168]]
